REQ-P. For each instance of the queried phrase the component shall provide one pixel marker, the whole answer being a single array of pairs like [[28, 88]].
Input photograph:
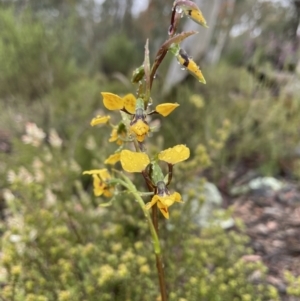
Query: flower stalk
[[134, 129]]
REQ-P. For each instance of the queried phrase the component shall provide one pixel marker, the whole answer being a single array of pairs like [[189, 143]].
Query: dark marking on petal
[[185, 57]]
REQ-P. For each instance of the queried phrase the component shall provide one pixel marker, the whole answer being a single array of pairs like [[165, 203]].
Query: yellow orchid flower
[[165, 109], [174, 154], [118, 134], [133, 161], [99, 120], [164, 201], [113, 159], [100, 176], [190, 65], [112, 101], [140, 128]]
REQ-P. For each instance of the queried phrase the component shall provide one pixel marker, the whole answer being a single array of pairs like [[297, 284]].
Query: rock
[[261, 186], [265, 183], [204, 213]]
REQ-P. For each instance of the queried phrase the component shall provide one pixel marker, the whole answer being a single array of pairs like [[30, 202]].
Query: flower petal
[[100, 176], [98, 185], [140, 128], [153, 202], [113, 159], [118, 135], [99, 120], [133, 161], [175, 154], [108, 193], [191, 66], [191, 9], [168, 200], [112, 101], [129, 101], [113, 135], [93, 171], [194, 69], [163, 209], [165, 109], [104, 174], [196, 15]]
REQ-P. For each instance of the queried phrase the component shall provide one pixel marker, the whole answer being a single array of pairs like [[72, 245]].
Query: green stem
[[153, 225]]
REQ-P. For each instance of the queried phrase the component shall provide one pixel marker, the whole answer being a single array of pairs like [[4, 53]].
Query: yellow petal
[[175, 154], [99, 120], [196, 15], [191, 66], [104, 174], [112, 101], [163, 209], [113, 159], [100, 176], [98, 186], [153, 202], [166, 108], [168, 200], [129, 103], [194, 70], [93, 172], [113, 135], [134, 162], [118, 136], [177, 197], [140, 129], [108, 193]]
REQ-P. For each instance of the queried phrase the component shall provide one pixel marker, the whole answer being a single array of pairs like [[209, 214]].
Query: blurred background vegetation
[[55, 59]]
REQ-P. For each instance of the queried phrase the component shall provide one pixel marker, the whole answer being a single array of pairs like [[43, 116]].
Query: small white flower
[[54, 139], [51, 198], [11, 176], [15, 222], [90, 143], [25, 176], [34, 135], [14, 238], [74, 166], [37, 163], [33, 234], [8, 195], [48, 157], [3, 275], [39, 176]]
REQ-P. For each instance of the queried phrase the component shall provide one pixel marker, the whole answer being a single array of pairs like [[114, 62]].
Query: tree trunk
[[214, 55]]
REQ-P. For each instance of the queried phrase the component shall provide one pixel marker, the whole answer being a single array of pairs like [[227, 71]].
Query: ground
[[272, 220]]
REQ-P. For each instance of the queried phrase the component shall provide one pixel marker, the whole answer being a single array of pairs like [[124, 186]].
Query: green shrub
[[263, 128], [31, 60], [119, 54], [59, 244]]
